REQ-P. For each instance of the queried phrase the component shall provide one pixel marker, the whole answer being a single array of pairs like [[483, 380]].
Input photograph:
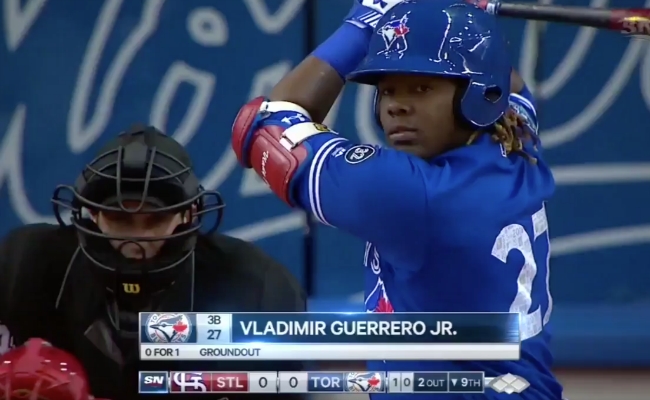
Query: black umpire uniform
[[68, 285]]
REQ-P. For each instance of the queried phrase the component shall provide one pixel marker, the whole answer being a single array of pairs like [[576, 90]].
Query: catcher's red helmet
[[38, 371]]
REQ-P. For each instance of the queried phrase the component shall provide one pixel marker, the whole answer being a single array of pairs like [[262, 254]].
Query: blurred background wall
[[74, 73]]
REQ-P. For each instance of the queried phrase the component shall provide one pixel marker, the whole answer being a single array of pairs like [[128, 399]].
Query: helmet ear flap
[[465, 100], [483, 105], [461, 91]]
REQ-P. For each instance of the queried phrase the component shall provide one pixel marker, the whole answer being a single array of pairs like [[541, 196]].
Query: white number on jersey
[[6, 340], [515, 237]]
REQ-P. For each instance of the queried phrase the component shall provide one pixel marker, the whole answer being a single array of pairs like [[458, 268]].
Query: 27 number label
[[515, 237]]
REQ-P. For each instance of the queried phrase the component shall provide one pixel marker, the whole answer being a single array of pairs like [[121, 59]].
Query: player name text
[[346, 328]]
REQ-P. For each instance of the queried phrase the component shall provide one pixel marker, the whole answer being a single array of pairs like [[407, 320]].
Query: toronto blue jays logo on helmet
[[394, 34], [168, 328]]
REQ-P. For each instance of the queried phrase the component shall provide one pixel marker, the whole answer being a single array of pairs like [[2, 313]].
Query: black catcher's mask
[[148, 168]]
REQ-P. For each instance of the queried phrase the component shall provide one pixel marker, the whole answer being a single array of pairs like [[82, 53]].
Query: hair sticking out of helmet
[[511, 131], [448, 39], [37, 371]]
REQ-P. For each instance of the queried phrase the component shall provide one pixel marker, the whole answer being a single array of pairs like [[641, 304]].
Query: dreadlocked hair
[[511, 131]]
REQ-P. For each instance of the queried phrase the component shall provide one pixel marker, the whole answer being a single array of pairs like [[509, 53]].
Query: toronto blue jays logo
[[365, 382], [394, 34], [377, 299], [168, 328]]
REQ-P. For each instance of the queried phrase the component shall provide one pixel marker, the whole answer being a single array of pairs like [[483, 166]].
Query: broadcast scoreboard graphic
[[329, 336], [327, 382]]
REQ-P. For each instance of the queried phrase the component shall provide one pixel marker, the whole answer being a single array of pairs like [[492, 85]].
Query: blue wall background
[[74, 73]]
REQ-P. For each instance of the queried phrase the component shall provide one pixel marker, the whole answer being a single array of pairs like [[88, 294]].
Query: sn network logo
[[153, 382], [638, 27]]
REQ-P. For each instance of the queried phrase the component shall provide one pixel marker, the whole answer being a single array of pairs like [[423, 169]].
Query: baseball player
[[454, 209]]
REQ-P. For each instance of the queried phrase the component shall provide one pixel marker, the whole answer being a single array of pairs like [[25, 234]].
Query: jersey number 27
[[515, 237]]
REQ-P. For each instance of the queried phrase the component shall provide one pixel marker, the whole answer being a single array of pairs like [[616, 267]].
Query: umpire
[[135, 244]]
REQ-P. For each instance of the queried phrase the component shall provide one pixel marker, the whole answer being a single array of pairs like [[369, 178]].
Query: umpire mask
[[142, 172]]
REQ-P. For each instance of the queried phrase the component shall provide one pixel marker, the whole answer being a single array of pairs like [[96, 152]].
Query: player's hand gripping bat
[[631, 21]]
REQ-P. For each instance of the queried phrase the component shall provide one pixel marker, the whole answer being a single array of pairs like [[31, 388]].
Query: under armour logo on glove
[[380, 5], [366, 13]]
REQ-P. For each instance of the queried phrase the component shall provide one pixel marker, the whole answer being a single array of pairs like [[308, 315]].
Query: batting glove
[[366, 13]]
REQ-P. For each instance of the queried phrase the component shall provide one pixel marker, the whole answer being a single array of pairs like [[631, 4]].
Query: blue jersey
[[464, 232]]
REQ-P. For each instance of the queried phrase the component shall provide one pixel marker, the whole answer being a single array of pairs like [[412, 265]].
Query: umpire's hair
[[511, 132]]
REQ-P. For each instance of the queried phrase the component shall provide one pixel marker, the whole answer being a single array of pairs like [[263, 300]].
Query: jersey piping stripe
[[314, 177]]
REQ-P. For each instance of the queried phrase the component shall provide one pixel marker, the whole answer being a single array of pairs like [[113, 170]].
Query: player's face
[[416, 113], [138, 225]]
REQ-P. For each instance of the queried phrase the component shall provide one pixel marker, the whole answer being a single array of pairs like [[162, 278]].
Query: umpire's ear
[[190, 215], [93, 216]]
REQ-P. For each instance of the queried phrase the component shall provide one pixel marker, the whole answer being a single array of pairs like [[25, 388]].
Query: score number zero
[[214, 334], [405, 382], [263, 381], [293, 382], [163, 352]]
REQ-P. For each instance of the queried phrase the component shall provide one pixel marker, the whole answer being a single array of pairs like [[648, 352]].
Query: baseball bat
[[632, 21]]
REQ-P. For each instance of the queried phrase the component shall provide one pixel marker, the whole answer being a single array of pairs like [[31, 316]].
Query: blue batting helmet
[[447, 38]]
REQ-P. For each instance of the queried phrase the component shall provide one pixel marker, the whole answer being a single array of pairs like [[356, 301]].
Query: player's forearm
[[518, 86], [313, 84], [522, 102], [517, 83], [317, 81], [373, 193]]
